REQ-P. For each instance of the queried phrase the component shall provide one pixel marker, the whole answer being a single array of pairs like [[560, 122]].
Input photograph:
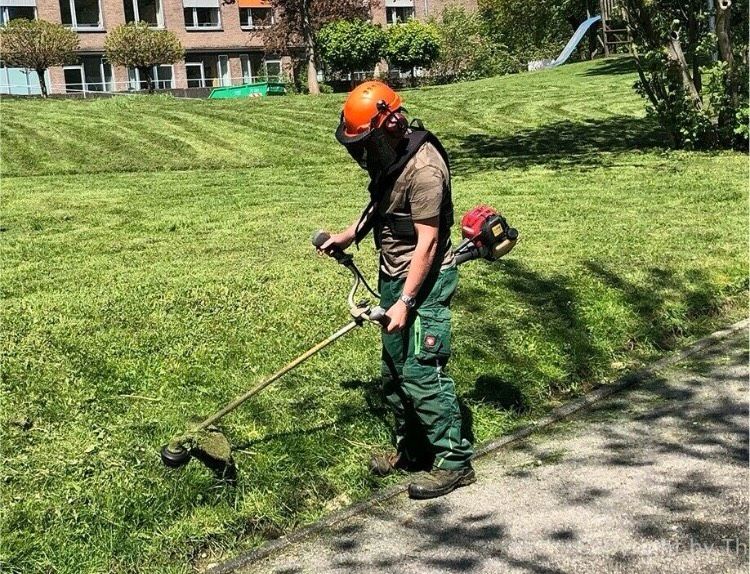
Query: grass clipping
[[212, 448]]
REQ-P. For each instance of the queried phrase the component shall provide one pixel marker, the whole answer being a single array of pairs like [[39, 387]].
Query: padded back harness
[[402, 225]]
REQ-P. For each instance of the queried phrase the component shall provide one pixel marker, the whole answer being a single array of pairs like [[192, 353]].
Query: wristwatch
[[410, 302]]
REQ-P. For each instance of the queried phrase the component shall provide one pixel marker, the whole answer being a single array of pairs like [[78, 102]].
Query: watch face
[[410, 302]]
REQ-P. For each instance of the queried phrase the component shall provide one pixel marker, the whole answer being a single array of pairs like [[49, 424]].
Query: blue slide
[[573, 42]]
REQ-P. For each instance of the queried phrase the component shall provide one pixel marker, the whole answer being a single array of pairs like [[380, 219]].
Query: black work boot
[[440, 482]]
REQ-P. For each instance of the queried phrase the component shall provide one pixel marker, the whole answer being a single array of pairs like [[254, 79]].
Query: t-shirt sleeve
[[426, 193]]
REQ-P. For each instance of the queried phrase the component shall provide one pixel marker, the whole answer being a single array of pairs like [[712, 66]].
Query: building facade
[[223, 41]]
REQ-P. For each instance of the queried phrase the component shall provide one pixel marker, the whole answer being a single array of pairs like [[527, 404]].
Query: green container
[[248, 91]]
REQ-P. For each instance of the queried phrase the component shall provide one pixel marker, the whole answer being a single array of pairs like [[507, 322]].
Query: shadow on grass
[[613, 67], [664, 303], [558, 144]]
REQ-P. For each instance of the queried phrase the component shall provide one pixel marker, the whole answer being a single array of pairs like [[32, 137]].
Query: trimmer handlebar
[[375, 314]]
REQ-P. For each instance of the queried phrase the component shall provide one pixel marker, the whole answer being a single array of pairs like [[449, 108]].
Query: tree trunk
[[146, 75], [674, 48], [312, 72], [725, 45], [42, 81]]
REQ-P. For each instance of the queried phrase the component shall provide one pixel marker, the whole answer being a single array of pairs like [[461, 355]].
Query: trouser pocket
[[432, 334]]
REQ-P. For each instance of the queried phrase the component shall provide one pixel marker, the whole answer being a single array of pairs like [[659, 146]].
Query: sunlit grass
[[156, 263]]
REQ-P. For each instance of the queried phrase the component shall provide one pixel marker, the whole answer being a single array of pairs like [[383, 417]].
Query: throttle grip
[[318, 240], [377, 315]]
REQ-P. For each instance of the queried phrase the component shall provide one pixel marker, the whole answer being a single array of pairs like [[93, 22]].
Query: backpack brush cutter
[[485, 234]]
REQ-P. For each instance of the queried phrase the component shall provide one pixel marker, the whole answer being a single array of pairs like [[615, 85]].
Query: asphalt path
[[654, 479]]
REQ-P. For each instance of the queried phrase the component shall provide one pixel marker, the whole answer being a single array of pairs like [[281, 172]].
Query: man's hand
[[397, 316], [341, 240]]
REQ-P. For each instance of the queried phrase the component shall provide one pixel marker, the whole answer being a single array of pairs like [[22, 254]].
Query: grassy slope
[[156, 262]]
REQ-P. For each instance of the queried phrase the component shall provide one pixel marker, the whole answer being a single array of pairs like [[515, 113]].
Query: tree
[[466, 51], [689, 73], [299, 21], [37, 44], [350, 45], [140, 46], [534, 30], [412, 44]]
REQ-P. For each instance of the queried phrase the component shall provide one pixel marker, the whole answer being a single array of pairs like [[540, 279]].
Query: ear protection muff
[[395, 122]]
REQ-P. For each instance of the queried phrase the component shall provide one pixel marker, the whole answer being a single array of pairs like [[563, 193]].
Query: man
[[410, 214]]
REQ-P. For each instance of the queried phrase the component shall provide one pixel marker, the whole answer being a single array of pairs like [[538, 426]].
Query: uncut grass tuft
[[156, 263]]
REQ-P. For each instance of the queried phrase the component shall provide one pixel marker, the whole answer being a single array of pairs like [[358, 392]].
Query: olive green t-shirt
[[421, 189]]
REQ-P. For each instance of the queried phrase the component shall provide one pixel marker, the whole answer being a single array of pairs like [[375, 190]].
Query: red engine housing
[[482, 226]]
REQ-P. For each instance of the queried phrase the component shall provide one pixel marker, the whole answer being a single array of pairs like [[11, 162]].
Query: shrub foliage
[[140, 46], [695, 80], [350, 45], [413, 44]]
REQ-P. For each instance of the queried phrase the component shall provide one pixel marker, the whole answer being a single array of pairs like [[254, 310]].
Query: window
[[144, 11], [196, 75], [202, 14], [20, 81], [162, 76], [207, 70], [93, 74], [225, 78], [81, 14], [255, 18], [20, 9], [395, 15], [398, 11], [273, 70], [247, 69]]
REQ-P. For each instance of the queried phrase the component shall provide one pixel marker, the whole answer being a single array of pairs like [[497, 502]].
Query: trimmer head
[[174, 457], [210, 447]]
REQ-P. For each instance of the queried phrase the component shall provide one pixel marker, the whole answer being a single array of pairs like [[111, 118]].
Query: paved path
[[652, 480]]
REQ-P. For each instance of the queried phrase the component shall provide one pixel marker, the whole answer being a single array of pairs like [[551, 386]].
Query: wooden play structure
[[614, 31]]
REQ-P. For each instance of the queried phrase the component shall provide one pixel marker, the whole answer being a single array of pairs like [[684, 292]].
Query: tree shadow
[[577, 144], [551, 305], [661, 306], [613, 67]]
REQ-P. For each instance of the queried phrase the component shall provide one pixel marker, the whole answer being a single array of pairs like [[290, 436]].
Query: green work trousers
[[415, 384]]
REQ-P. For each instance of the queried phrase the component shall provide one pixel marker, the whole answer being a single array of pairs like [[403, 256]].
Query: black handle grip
[[318, 240], [377, 314]]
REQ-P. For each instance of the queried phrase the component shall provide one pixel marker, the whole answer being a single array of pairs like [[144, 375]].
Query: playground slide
[[573, 42]]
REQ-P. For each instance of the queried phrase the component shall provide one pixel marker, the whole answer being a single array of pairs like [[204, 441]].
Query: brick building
[[223, 40]]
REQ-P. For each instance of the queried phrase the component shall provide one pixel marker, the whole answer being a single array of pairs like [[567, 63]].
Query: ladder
[[612, 37]]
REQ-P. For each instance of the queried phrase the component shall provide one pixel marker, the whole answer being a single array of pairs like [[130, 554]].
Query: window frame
[[5, 80], [4, 19], [74, 19], [220, 72], [195, 27], [137, 16], [246, 66], [112, 83], [248, 25], [265, 69], [394, 10], [134, 78], [203, 73]]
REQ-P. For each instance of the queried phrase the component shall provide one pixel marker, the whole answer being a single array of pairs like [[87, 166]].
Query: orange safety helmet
[[368, 106]]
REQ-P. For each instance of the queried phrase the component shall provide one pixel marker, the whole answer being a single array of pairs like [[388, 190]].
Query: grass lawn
[[156, 263]]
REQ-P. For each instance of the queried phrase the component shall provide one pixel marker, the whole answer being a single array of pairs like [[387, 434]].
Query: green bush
[[466, 52], [351, 45], [413, 44], [695, 80]]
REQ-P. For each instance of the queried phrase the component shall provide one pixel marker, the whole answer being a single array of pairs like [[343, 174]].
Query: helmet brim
[[345, 139]]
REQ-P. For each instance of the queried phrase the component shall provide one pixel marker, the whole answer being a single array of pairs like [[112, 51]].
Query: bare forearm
[[421, 263]]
